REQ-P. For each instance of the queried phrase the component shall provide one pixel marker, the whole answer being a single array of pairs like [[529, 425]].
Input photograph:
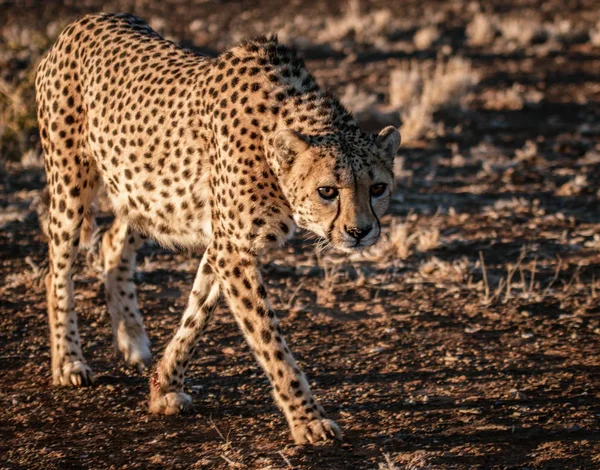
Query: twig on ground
[[285, 459], [485, 278], [556, 273]]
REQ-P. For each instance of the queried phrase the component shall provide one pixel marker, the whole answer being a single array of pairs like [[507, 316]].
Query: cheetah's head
[[338, 185]]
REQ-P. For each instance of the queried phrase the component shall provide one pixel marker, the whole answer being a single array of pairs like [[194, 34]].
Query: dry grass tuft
[[595, 34], [28, 279], [402, 175], [428, 239], [18, 121], [527, 153], [426, 37], [399, 241], [522, 282], [482, 30], [325, 292], [405, 84], [415, 462], [513, 206], [17, 117], [574, 187], [509, 98], [360, 26], [32, 159], [361, 103], [520, 31], [419, 90], [513, 98], [388, 464], [402, 239], [417, 123], [445, 272], [559, 30], [510, 33]]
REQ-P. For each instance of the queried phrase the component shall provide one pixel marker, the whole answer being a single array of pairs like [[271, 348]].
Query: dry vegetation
[[353, 26], [419, 90], [18, 124], [466, 338], [402, 239], [595, 34], [482, 30], [508, 33], [415, 462]]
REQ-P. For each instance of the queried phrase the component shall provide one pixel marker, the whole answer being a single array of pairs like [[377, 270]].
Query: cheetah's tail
[[88, 226]]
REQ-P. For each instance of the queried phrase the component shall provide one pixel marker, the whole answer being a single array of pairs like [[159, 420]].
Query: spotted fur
[[228, 153]]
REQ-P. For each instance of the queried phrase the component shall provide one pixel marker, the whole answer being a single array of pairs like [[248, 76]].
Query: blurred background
[[390, 62], [468, 338]]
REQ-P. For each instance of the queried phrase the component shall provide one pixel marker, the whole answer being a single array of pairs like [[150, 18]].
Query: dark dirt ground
[[412, 362]]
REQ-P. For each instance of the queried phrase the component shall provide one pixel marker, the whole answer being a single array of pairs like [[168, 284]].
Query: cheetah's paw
[[135, 350], [76, 374], [170, 403], [319, 429]]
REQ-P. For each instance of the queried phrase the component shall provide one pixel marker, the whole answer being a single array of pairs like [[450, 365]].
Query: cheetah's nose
[[358, 232]]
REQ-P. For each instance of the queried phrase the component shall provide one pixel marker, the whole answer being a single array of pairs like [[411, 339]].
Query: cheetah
[[229, 154]]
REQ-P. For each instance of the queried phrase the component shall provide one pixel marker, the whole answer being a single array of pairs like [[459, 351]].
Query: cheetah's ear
[[288, 144], [388, 140]]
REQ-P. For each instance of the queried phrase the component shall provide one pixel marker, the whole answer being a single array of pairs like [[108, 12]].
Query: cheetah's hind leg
[[119, 245], [71, 191]]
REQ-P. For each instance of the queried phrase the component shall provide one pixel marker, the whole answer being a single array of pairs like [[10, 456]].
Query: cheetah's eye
[[378, 189], [327, 192]]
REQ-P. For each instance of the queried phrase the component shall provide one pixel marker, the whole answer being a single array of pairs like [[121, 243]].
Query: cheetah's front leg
[[166, 382], [246, 295]]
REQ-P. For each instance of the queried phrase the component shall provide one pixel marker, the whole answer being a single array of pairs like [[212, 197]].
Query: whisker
[[322, 245]]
